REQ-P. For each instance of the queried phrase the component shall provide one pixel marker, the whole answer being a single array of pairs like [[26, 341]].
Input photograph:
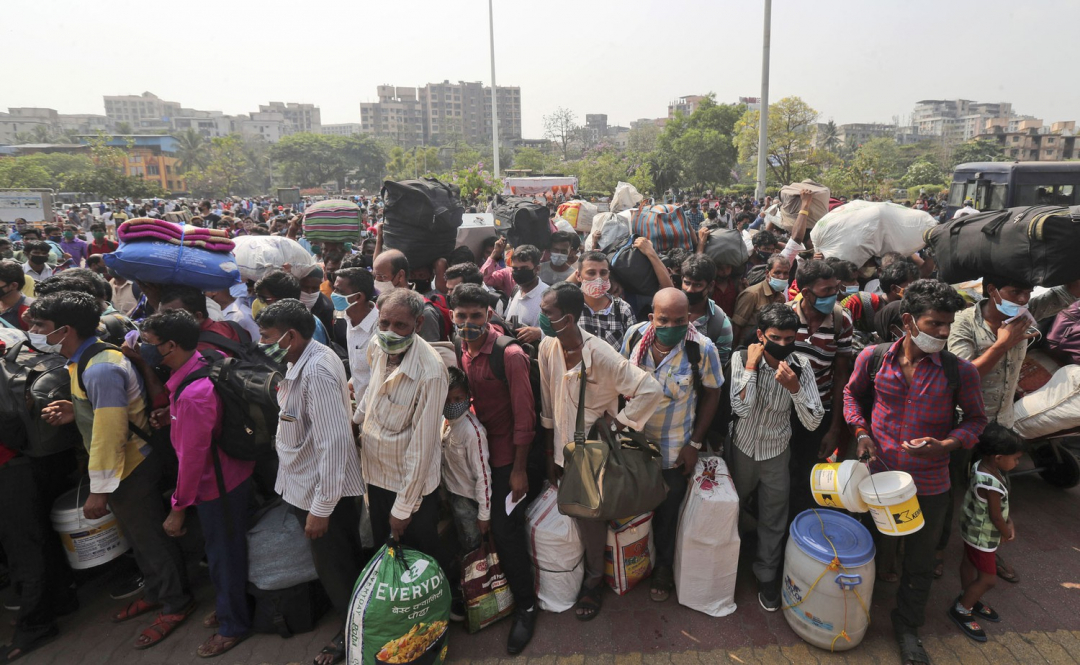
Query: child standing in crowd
[[465, 472], [983, 525]]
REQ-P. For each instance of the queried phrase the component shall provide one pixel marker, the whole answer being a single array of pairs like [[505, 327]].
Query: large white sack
[[612, 228], [859, 230], [707, 549], [555, 552], [791, 203], [1052, 408], [578, 214], [257, 256], [626, 196]]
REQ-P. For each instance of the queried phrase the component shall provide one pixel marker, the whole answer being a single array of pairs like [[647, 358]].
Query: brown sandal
[[163, 625], [211, 620], [217, 645], [135, 609]]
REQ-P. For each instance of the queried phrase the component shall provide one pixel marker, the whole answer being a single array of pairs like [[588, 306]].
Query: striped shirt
[[763, 429], [113, 398], [402, 436], [672, 424], [315, 445], [976, 527], [465, 469], [823, 346]]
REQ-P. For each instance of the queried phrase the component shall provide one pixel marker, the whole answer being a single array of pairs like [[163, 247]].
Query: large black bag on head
[[1035, 245], [633, 270], [421, 219], [30, 381], [523, 221], [726, 248]]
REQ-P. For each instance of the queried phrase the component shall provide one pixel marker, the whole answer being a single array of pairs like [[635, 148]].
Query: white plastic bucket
[[892, 501], [88, 543], [836, 485], [826, 604]]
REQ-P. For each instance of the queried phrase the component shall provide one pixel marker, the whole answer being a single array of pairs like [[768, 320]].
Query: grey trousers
[[594, 538], [771, 479]]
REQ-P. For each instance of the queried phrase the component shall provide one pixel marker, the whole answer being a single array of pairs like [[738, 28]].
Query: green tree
[[308, 160], [19, 172], [124, 128], [697, 150], [365, 161], [830, 136], [922, 173], [561, 127], [228, 169], [976, 150], [532, 160], [791, 136], [192, 150], [642, 139], [873, 164]]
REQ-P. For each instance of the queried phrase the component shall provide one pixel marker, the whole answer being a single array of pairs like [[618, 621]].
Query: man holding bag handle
[[608, 375]]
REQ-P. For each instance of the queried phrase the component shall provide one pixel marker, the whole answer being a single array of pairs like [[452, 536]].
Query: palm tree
[[124, 128], [830, 136], [192, 149], [42, 134]]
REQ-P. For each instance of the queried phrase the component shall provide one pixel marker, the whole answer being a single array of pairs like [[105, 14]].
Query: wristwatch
[[696, 445]]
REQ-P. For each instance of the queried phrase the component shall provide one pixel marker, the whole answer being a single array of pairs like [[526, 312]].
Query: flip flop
[[589, 601], [1003, 571], [27, 647], [135, 609], [911, 649], [162, 627], [336, 649], [662, 584], [217, 645]]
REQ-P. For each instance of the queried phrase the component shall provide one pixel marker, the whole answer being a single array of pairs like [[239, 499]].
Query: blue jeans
[[224, 524]]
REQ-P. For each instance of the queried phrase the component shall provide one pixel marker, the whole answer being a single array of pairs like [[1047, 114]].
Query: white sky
[[852, 60]]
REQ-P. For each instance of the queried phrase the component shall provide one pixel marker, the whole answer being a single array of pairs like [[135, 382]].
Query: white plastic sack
[[707, 549], [612, 228], [279, 555], [791, 203], [860, 230], [258, 256], [556, 553], [626, 196], [1052, 408], [629, 554]]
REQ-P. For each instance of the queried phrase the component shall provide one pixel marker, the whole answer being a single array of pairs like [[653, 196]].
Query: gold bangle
[[804, 212]]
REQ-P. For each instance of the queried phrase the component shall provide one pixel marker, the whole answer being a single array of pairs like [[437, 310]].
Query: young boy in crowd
[[465, 472]]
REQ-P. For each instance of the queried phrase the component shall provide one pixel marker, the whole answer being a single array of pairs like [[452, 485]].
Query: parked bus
[[999, 185]]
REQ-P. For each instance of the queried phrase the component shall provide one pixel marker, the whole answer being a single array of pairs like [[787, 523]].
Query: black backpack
[[498, 362], [114, 327], [30, 381]]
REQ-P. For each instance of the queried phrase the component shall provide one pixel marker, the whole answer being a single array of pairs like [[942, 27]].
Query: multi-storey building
[[298, 117], [145, 111], [342, 129]]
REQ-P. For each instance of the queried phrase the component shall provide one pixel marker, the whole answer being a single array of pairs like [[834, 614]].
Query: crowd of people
[[406, 386]]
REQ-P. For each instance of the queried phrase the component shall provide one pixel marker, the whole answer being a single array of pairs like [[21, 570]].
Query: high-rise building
[[145, 111], [962, 119], [684, 105], [342, 129], [441, 112], [298, 117]]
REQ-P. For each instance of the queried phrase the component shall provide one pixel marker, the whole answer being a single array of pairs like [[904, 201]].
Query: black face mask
[[779, 351], [523, 276], [37, 260], [695, 297]]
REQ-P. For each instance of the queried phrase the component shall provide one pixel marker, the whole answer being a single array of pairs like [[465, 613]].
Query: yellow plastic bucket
[[891, 498], [836, 485]]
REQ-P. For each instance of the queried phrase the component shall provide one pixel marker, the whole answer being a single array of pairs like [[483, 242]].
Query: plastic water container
[[836, 485], [88, 543], [892, 501], [826, 603]]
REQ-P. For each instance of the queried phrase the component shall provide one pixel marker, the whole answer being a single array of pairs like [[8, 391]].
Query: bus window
[[1031, 195], [956, 195], [998, 196]]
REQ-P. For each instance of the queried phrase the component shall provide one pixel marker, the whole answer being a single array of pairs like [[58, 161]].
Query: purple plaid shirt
[[925, 408]]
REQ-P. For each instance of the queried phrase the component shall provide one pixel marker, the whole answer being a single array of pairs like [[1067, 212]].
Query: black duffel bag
[[1035, 245], [633, 270], [421, 219], [523, 221]]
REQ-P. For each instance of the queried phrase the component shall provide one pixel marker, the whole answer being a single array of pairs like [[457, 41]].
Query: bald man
[[390, 269], [687, 365]]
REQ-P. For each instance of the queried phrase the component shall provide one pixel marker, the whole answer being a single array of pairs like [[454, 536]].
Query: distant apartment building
[[342, 129], [267, 125], [25, 121], [149, 156], [298, 117], [441, 112], [685, 105], [751, 103], [961, 119], [85, 123], [145, 111], [1031, 141], [211, 124]]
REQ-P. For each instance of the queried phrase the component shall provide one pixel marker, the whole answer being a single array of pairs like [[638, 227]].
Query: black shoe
[[522, 630], [127, 586], [769, 595], [967, 624]]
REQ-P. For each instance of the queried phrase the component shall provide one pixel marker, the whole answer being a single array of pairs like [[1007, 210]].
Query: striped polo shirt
[[823, 346]]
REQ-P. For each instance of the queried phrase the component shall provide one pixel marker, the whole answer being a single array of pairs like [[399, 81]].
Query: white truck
[[33, 205]]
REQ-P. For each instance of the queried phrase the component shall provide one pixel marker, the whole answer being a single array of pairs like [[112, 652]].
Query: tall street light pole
[[494, 90], [763, 116]]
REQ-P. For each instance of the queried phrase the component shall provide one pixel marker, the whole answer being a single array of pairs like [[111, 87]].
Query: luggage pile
[[579, 214], [161, 252], [421, 219], [522, 221]]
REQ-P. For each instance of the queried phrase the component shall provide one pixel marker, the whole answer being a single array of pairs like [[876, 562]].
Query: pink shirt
[[196, 421]]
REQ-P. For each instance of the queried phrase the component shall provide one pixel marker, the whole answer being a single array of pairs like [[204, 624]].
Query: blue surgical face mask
[[1007, 308], [851, 290], [341, 303], [825, 304], [777, 284]]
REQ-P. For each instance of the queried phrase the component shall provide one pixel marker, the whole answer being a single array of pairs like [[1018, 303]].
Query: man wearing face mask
[[317, 303], [101, 244], [403, 409], [522, 282], [604, 315], [391, 271], [771, 387], [13, 303], [564, 250], [994, 336], [698, 274], [74, 246], [686, 365], [37, 255], [319, 473], [824, 338], [506, 407], [912, 427], [280, 285], [771, 290], [354, 305]]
